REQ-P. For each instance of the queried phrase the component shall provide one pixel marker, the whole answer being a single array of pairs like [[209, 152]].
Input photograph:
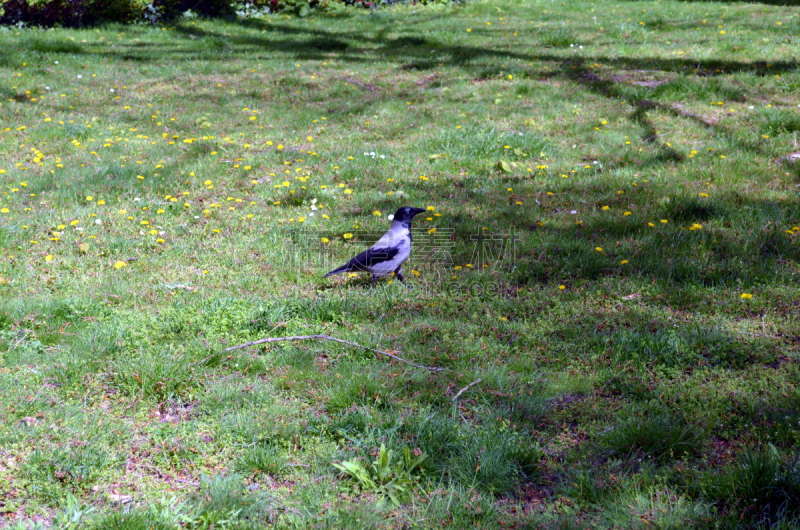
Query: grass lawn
[[612, 247]]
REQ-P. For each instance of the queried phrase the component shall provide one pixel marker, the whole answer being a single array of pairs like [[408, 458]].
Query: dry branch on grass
[[328, 337], [455, 398], [371, 88]]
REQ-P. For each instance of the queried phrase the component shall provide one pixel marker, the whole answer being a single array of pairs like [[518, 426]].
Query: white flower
[[390, 216], [98, 222], [80, 76]]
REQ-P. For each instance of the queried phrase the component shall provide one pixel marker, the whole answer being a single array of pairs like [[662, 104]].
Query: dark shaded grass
[[652, 435], [761, 489]]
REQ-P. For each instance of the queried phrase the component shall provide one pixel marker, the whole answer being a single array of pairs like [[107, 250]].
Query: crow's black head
[[406, 214]]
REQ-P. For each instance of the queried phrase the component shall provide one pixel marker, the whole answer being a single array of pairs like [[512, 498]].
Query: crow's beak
[[415, 211]]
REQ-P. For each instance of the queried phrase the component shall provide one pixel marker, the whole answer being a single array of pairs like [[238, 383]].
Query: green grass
[[612, 246]]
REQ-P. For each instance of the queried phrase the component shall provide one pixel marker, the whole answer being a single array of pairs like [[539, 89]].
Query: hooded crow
[[389, 253]]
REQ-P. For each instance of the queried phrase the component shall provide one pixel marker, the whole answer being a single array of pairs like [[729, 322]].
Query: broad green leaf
[[504, 166]]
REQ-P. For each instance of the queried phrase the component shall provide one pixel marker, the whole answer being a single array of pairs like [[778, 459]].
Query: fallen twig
[[371, 88], [466, 388], [21, 337], [334, 339]]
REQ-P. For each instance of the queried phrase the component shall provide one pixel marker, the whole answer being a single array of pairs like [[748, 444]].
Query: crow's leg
[[399, 275], [372, 283]]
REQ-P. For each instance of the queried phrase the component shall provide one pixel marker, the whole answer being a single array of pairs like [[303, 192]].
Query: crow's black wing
[[367, 259]]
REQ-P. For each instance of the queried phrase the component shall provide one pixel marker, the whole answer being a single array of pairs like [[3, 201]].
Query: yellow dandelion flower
[[623, 262], [120, 264], [89, 198], [626, 214], [325, 240], [49, 257], [605, 208], [562, 287], [599, 249], [746, 296], [348, 235]]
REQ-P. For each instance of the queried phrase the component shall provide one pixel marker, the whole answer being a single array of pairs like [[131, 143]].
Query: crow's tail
[[343, 268]]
